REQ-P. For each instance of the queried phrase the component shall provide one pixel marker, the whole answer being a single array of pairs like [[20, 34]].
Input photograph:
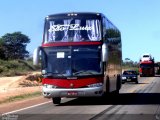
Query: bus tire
[[56, 100], [136, 80], [119, 82], [107, 85], [118, 85]]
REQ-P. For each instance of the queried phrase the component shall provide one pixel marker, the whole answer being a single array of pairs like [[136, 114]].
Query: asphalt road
[[135, 102]]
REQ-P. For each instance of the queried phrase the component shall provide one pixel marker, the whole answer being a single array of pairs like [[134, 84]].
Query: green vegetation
[[130, 68], [21, 97], [13, 54], [13, 46], [16, 67], [130, 65]]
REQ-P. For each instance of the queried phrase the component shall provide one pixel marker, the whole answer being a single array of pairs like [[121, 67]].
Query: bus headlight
[[95, 85], [123, 77], [49, 86], [44, 72]]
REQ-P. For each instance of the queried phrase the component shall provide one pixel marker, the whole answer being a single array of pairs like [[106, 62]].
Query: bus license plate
[[73, 93]]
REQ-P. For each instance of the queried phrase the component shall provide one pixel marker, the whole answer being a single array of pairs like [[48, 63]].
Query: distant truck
[[146, 66]]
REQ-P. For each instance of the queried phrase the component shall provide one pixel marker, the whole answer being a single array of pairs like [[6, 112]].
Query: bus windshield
[[72, 30], [72, 61]]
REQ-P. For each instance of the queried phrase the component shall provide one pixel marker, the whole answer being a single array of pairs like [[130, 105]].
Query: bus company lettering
[[68, 27]]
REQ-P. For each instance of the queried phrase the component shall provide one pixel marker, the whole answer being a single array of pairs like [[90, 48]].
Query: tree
[[14, 45], [2, 55]]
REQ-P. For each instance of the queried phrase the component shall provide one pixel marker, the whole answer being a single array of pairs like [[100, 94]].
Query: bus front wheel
[[56, 100]]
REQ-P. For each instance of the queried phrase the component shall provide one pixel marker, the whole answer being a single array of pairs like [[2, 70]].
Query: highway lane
[[136, 101]]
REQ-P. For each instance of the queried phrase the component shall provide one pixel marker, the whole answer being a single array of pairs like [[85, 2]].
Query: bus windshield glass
[[72, 30], [72, 61]]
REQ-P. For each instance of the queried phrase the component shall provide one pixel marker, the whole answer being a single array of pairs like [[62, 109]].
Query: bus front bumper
[[75, 92]]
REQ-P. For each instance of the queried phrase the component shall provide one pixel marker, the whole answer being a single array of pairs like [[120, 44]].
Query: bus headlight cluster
[[95, 85], [49, 86], [44, 72]]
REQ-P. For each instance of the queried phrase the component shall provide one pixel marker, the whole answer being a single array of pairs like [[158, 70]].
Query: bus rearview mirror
[[36, 56]]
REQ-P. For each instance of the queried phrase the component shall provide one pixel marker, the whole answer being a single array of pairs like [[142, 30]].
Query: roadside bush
[[1, 69], [36, 77], [15, 67]]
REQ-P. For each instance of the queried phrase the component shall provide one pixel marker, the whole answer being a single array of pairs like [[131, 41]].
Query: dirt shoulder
[[18, 85]]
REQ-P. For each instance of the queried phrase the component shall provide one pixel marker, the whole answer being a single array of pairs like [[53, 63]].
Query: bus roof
[[75, 14]]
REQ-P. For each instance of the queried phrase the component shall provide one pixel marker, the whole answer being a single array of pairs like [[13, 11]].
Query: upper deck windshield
[[72, 30]]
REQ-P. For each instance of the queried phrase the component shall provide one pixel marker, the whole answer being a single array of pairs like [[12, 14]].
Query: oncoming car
[[130, 76]]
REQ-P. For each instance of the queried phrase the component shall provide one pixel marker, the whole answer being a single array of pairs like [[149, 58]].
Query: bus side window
[[104, 29]]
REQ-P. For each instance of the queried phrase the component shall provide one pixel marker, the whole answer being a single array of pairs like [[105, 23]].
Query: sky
[[138, 21]]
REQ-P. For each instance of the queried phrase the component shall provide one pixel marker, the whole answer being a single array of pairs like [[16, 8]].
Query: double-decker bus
[[81, 56]]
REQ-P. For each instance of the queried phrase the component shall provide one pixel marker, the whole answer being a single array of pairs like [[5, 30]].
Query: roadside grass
[[130, 68], [21, 97], [16, 67]]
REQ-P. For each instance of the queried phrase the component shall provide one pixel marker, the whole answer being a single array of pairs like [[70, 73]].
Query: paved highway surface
[[135, 102]]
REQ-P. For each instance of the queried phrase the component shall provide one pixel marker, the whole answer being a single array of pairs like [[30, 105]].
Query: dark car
[[130, 76]]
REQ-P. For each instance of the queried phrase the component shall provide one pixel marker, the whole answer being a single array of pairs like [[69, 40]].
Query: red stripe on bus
[[146, 62], [75, 83], [70, 43]]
